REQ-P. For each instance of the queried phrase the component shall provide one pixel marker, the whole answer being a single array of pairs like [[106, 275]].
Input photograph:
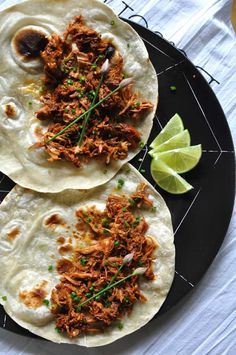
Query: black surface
[[200, 217]]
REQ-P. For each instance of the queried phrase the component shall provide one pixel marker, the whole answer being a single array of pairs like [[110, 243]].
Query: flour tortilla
[[26, 257], [20, 84]]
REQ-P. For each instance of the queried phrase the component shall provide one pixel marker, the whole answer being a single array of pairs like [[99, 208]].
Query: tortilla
[[28, 245], [20, 82]]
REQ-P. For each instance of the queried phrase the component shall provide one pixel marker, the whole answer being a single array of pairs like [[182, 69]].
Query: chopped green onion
[[142, 170], [88, 220], [141, 144], [78, 309], [124, 209], [140, 263], [50, 267], [173, 88], [136, 222], [126, 224], [66, 110], [58, 330], [82, 79], [131, 202], [88, 294], [120, 326], [97, 298], [105, 222], [117, 243], [83, 261], [94, 66], [46, 302], [153, 209], [30, 103], [105, 231], [112, 23], [4, 298], [70, 81], [107, 304], [126, 298], [91, 288], [120, 184], [73, 110]]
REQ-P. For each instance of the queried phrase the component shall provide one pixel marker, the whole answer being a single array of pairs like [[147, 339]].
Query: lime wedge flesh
[[180, 140], [181, 160], [173, 127], [168, 179]]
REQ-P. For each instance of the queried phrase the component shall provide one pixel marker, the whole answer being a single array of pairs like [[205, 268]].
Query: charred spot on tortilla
[[64, 265], [66, 248], [61, 240], [13, 233], [34, 298], [10, 111], [29, 42], [54, 220]]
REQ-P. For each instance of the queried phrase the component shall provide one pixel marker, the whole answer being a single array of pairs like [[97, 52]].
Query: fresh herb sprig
[[123, 83], [136, 272], [127, 259], [104, 70]]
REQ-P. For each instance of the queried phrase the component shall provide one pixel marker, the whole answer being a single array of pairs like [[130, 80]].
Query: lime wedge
[[168, 179], [180, 140], [181, 160], [173, 127]]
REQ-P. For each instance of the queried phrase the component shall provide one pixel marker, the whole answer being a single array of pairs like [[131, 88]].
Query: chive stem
[[89, 113], [116, 274], [86, 112], [106, 289]]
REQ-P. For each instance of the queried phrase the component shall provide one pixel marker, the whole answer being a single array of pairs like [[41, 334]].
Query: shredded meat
[[119, 230], [72, 67]]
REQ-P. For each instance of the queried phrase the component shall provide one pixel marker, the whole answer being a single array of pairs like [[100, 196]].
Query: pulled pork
[[72, 67], [118, 231]]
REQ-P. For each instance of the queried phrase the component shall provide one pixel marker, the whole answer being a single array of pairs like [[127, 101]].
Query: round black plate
[[200, 217]]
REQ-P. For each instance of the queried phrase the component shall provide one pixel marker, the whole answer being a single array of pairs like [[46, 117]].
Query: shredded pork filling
[[117, 231], [72, 67]]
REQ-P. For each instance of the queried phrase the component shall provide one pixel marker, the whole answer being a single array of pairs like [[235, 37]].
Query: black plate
[[200, 217]]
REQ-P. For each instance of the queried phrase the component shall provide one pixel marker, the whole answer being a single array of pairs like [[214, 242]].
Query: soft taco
[[60, 58], [86, 267]]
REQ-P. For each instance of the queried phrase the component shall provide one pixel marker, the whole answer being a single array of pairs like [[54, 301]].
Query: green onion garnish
[[136, 272], [120, 184], [83, 261], [46, 302], [122, 84]]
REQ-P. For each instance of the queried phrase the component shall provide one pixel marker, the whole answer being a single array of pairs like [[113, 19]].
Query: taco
[[86, 267], [61, 58]]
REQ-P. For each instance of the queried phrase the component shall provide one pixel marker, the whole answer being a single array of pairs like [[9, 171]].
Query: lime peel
[[173, 127], [181, 160], [168, 179]]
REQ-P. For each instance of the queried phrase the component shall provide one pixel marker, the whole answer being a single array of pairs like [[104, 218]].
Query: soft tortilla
[[25, 258], [20, 84]]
